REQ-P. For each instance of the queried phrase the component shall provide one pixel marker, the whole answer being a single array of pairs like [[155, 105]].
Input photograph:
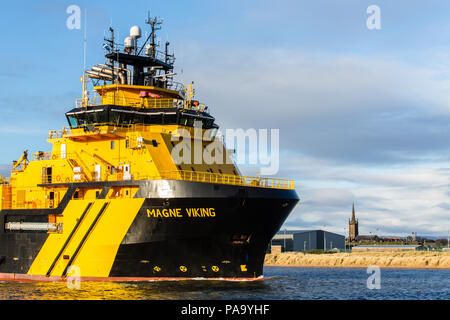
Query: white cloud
[[357, 129], [349, 108], [393, 201]]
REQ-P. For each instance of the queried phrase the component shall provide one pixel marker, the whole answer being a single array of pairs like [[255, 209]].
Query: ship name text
[[181, 212]]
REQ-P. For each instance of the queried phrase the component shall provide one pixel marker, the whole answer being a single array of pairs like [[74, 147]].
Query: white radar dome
[[129, 42], [135, 32]]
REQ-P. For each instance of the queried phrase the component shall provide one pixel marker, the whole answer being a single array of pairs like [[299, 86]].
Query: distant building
[[372, 248], [353, 232], [307, 240], [353, 226]]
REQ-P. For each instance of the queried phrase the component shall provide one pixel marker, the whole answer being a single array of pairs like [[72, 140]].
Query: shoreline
[[387, 260], [355, 267]]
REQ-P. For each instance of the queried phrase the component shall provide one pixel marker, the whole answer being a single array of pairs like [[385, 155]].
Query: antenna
[[155, 23], [85, 40], [84, 102]]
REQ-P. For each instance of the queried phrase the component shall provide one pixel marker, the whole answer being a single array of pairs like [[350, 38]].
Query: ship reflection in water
[[282, 283]]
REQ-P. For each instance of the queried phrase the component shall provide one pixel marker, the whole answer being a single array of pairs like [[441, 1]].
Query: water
[[283, 284]]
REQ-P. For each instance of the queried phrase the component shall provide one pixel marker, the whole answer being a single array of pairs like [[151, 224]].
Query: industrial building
[[307, 240]]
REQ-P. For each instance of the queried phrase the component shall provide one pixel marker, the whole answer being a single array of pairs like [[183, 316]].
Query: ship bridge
[[123, 116]]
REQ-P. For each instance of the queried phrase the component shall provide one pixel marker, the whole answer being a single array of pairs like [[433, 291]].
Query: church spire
[[353, 225], [353, 213]]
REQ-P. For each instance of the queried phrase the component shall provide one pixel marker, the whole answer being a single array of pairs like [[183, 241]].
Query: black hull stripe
[[68, 239], [80, 245]]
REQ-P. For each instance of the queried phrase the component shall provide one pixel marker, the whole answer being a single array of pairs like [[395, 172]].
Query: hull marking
[[68, 240], [80, 245]]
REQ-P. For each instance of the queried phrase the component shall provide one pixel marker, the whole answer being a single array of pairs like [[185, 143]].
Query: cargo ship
[[110, 202]]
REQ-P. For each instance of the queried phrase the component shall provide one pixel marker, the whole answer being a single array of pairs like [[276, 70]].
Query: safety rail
[[197, 176], [142, 103], [41, 155], [176, 86], [155, 54], [57, 134], [5, 181], [96, 128], [231, 179], [88, 101]]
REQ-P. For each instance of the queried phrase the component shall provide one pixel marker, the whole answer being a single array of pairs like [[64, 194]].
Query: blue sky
[[363, 114]]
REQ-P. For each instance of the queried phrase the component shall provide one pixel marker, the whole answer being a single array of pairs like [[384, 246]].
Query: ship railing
[[57, 134], [176, 86], [41, 155], [148, 103], [94, 128], [88, 101], [141, 103], [209, 177], [155, 54], [196, 176], [5, 181], [144, 102], [161, 56]]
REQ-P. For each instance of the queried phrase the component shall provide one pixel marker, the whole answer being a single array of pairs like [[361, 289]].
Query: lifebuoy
[[54, 157], [58, 178]]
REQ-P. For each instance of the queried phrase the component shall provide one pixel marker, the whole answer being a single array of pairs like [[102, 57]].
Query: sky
[[363, 115]]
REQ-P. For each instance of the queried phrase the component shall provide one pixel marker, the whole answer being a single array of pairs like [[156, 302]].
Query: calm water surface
[[283, 283]]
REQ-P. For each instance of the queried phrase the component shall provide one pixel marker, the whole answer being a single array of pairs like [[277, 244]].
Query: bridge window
[[170, 119], [120, 118], [187, 121], [207, 123], [127, 116], [155, 119], [72, 121], [92, 117]]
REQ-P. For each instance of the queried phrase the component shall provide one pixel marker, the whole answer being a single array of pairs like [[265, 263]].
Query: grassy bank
[[438, 260]]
